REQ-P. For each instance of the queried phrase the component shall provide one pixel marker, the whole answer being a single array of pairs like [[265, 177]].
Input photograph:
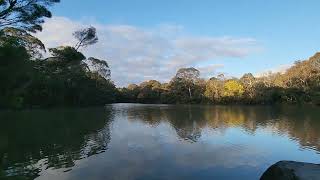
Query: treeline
[[299, 84], [65, 78], [68, 78]]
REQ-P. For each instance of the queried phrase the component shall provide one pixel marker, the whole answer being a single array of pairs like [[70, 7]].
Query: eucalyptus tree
[[85, 37], [66, 56], [189, 76], [25, 15], [214, 89], [248, 81], [150, 92], [22, 38], [100, 67]]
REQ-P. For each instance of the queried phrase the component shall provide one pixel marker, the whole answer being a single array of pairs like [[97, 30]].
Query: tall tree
[[25, 14], [248, 80], [189, 76], [99, 66], [22, 38], [66, 54], [214, 89], [15, 70], [85, 37]]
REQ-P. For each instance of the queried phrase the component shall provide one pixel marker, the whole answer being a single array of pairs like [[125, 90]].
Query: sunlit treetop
[[189, 74], [22, 38]]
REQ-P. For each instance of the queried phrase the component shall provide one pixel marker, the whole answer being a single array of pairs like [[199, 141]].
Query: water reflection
[[156, 141], [31, 141], [299, 123]]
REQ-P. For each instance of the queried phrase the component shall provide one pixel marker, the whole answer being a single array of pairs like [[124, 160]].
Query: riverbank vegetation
[[298, 84], [65, 77]]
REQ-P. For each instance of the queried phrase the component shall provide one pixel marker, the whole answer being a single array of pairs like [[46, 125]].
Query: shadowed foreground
[[290, 170]]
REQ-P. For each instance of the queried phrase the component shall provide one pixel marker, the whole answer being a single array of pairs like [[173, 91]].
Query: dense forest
[[299, 84], [67, 78]]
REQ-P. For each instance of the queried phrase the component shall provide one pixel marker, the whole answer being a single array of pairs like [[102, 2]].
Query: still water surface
[[132, 141]]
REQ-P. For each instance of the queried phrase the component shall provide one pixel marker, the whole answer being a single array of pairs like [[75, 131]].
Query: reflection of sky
[[138, 150]]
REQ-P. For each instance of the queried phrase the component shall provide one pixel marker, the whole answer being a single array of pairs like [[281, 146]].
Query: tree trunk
[[190, 92]]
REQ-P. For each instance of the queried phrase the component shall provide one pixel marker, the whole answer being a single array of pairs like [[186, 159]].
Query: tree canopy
[[85, 37], [22, 38], [25, 15], [68, 78], [99, 66], [299, 84], [188, 74]]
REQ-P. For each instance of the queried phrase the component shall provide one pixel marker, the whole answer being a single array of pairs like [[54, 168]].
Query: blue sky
[[284, 31]]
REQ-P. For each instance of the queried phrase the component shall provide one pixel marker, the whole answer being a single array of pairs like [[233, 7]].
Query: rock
[[291, 170]]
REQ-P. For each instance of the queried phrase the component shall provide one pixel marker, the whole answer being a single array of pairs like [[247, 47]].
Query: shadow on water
[[31, 141]]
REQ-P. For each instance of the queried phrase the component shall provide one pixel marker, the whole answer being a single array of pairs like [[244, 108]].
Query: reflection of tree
[[184, 119], [187, 121], [301, 124], [148, 114], [50, 139], [247, 118], [298, 123]]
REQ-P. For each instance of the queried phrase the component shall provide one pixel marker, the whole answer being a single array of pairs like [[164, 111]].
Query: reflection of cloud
[[136, 54], [138, 150], [145, 144]]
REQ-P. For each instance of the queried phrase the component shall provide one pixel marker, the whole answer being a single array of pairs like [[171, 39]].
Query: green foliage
[[85, 37], [316, 98], [66, 54], [25, 15], [22, 38], [15, 74], [69, 79], [214, 89], [233, 88], [62, 80], [188, 74], [65, 79], [299, 84], [100, 67]]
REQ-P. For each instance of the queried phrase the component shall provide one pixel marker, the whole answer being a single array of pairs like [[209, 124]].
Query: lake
[[134, 141]]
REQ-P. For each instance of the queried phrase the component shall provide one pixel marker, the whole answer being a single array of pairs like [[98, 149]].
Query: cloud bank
[[278, 69], [137, 54]]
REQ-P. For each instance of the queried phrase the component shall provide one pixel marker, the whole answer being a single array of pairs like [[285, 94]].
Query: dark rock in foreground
[[290, 170]]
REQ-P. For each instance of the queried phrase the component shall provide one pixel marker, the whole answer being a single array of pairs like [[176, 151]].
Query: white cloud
[[208, 70], [137, 54], [279, 69]]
